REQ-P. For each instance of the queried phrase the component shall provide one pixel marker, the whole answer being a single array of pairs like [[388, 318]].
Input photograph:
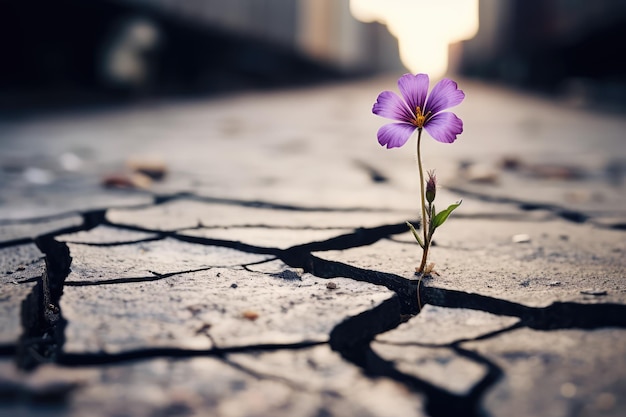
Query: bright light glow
[[424, 28]]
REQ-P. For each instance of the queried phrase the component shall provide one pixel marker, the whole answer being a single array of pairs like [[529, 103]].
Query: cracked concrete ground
[[270, 272]]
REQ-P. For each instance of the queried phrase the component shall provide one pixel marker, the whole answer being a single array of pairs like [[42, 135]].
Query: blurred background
[[76, 52]]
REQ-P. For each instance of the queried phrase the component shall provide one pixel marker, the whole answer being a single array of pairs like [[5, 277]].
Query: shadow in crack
[[558, 315], [42, 322]]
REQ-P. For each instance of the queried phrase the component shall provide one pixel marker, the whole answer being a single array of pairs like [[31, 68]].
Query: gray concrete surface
[[265, 268]]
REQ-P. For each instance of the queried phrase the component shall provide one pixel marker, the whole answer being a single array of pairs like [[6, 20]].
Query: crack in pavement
[[120, 243], [160, 199], [128, 280], [439, 402], [573, 216], [264, 375], [90, 219], [484, 336], [156, 276], [43, 323], [556, 316], [104, 358]]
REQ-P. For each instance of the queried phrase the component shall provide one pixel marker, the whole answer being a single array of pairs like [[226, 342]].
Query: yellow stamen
[[420, 118]]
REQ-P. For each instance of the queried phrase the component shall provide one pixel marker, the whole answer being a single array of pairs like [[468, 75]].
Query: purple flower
[[417, 110]]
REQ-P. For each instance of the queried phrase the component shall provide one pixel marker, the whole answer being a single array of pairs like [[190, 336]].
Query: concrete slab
[[106, 235], [20, 268], [559, 261], [150, 259], [221, 307], [23, 231], [441, 326], [182, 214]]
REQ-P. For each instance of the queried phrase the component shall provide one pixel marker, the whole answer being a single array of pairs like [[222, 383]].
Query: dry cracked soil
[[270, 272]]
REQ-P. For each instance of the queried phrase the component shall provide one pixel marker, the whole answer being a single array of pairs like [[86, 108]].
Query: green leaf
[[415, 234], [443, 215]]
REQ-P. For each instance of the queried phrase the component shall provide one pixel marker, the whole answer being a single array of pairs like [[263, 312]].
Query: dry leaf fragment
[[250, 315], [136, 180]]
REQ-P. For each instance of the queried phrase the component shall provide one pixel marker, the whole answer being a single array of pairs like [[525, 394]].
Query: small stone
[[289, 274], [593, 292], [521, 238], [233, 285], [554, 283], [511, 163], [331, 286]]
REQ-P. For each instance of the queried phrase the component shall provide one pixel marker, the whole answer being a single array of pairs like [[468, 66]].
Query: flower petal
[[391, 106], [444, 95], [394, 135], [414, 89], [444, 127]]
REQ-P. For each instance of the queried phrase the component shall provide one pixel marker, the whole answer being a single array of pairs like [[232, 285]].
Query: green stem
[[423, 201], [425, 223]]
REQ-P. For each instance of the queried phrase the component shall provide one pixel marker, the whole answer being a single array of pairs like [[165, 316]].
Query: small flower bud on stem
[[431, 187]]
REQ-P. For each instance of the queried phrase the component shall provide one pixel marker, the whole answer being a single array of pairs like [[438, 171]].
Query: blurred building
[[75, 49], [323, 30], [569, 47]]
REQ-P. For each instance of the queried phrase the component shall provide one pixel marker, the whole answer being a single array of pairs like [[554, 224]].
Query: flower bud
[[431, 187]]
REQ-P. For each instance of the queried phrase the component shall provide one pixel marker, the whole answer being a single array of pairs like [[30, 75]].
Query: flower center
[[420, 118]]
